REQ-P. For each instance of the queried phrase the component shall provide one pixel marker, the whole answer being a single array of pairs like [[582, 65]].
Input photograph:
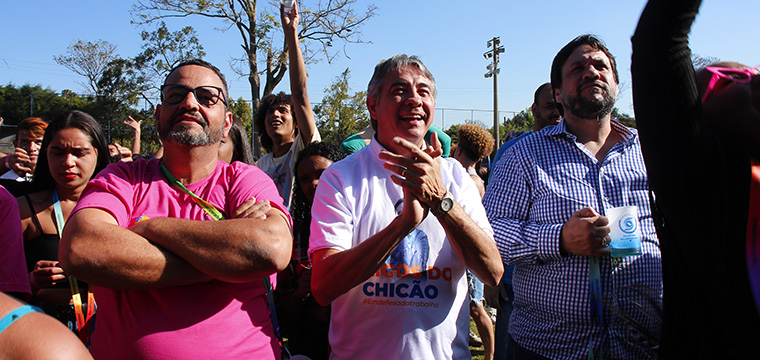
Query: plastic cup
[[287, 4], [625, 231]]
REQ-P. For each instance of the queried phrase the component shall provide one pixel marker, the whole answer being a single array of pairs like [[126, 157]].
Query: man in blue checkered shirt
[[546, 202]]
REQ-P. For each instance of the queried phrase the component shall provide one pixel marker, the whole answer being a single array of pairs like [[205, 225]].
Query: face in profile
[[309, 171], [72, 159], [226, 150]]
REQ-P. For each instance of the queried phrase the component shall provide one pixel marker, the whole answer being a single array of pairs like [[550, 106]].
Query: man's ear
[[557, 95], [372, 106], [534, 110], [227, 123]]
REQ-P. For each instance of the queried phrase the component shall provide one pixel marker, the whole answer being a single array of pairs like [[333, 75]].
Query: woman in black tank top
[[73, 150]]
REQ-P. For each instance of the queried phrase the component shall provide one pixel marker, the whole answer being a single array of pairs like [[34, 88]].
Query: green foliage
[[122, 84], [452, 132], [623, 118], [321, 25], [18, 103], [242, 110], [162, 51], [341, 114], [520, 122]]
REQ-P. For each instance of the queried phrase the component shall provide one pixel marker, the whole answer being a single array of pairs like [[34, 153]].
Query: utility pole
[[493, 70]]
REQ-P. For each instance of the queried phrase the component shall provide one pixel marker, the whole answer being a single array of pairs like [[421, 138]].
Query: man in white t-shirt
[[285, 123], [393, 228]]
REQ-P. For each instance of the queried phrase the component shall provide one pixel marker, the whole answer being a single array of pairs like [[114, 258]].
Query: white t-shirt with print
[[415, 306], [281, 168]]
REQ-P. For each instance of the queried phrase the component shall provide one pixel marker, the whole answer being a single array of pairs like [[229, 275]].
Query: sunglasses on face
[[741, 76], [205, 95]]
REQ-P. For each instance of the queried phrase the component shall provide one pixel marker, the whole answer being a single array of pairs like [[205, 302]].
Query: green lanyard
[[211, 210], [217, 215], [83, 311], [595, 290]]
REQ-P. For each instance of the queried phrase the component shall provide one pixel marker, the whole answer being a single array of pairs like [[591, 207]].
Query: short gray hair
[[396, 63]]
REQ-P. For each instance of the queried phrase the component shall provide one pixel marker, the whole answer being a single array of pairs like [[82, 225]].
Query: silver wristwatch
[[447, 203]]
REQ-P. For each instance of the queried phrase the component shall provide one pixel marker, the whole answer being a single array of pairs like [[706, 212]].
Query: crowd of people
[[384, 247]]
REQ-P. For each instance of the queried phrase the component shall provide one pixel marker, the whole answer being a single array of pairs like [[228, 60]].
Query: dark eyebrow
[[399, 83], [80, 148]]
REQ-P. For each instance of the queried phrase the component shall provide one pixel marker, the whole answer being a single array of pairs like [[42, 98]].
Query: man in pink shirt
[[169, 280]]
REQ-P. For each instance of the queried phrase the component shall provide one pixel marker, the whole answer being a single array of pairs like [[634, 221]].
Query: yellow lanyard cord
[[76, 296], [211, 210]]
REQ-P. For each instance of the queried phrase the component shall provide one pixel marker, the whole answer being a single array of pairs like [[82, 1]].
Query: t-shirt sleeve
[[352, 144], [112, 191], [443, 137], [250, 181]]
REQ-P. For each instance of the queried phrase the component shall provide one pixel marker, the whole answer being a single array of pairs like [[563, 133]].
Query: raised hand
[[134, 124], [420, 172], [20, 162]]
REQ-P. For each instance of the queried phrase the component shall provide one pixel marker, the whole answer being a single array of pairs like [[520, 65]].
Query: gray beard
[[182, 136]]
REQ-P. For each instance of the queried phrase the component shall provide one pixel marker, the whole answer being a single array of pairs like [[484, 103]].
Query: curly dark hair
[[300, 207], [261, 115], [475, 141]]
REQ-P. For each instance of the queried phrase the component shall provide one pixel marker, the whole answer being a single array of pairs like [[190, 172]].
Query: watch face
[[447, 204]]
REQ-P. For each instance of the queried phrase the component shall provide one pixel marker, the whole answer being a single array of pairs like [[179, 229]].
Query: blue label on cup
[[624, 231]]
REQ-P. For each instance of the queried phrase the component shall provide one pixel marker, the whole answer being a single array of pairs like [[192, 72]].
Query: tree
[[341, 114], [623, 118], [162, 51], [452, 131], [520, 122], [330, 21], [700, 62], [16, 103], [89, 60], [242, 110], [122, 82]]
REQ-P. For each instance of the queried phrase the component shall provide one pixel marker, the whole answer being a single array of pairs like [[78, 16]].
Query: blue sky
[[449, 36]]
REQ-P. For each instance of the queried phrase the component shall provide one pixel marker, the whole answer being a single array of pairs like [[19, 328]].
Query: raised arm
[[307, 126], [135, 125]]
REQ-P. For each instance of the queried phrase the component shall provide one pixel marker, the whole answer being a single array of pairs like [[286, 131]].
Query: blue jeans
[[502, 323]]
